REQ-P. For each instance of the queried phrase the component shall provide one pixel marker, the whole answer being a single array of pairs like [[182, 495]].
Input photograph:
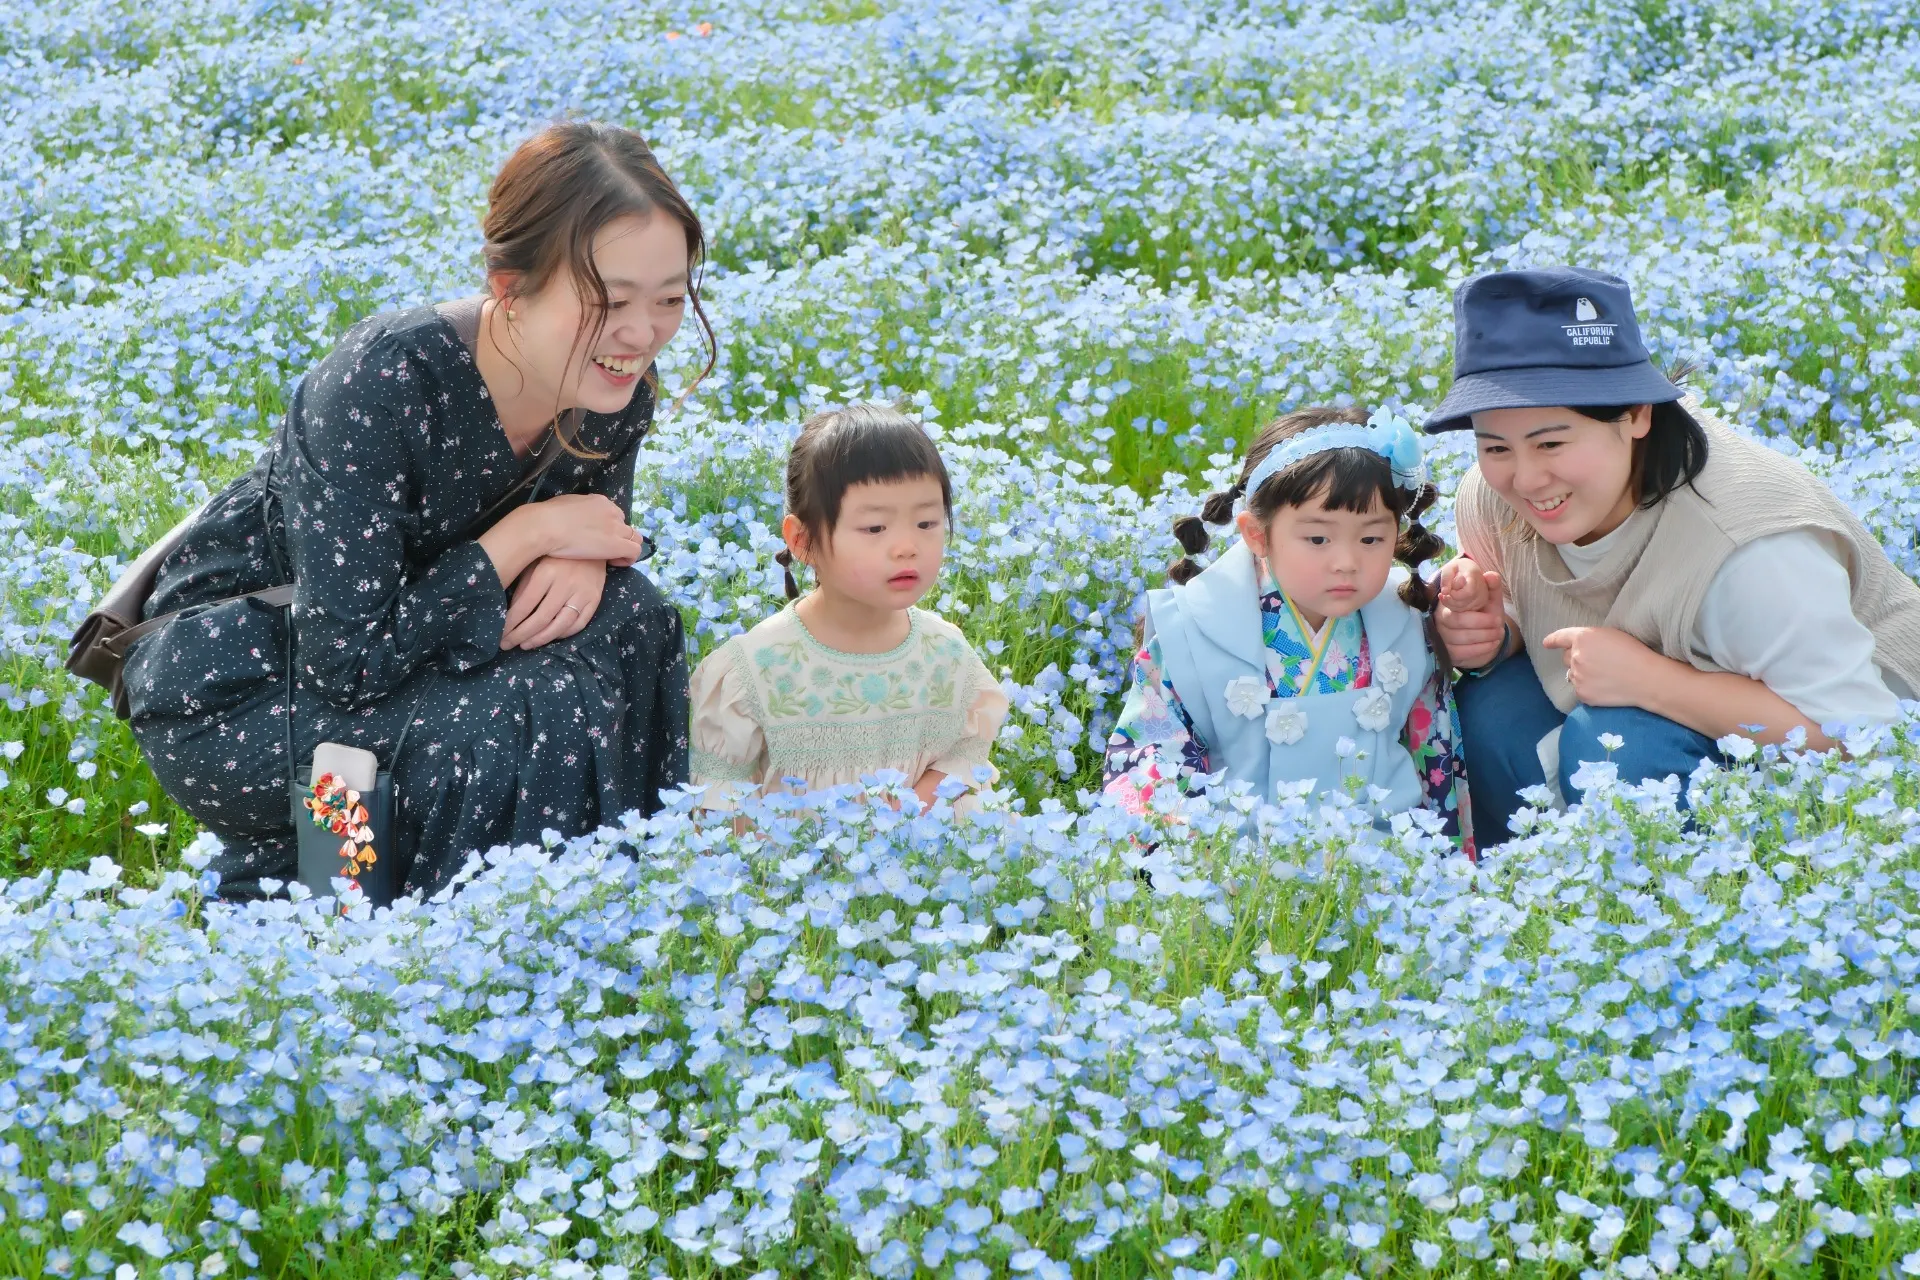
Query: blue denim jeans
[[1505, 713]]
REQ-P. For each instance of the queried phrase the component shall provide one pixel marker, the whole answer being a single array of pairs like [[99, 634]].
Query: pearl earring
[[509, 313]]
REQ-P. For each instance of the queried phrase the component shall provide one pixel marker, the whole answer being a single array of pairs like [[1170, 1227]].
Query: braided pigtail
[[1417, 545], [1191, 532], [784, 558]]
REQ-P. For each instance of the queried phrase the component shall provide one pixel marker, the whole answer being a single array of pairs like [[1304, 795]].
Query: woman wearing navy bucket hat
[[1632, 567]]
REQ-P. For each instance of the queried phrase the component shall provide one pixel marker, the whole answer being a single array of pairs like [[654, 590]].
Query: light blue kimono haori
[[1210, 638]]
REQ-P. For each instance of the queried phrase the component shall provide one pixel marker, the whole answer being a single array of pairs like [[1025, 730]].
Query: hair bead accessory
[[1385, 433]]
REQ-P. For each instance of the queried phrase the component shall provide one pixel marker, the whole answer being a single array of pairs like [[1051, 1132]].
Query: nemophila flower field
[[1095, 244]]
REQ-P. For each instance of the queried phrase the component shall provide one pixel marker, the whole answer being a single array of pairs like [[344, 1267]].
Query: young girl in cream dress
[[852, 678]]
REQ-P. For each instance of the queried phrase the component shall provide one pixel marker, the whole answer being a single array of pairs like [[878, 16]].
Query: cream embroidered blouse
[[776, 703]]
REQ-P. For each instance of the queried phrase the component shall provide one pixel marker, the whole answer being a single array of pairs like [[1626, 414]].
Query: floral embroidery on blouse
[[775, 703], [1154, 742]]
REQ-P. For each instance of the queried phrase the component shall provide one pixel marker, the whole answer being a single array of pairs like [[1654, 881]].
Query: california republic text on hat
[[1555, 336]]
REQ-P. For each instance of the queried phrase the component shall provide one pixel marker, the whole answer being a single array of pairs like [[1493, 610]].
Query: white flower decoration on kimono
[[1372, 708], [1247, 696], [1389, 672], [1286, 725]]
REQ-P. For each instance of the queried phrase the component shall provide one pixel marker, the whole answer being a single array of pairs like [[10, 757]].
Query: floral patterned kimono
[[1155, 742]]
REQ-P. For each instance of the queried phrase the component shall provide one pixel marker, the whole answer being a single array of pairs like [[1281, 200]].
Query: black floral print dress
[[367, 499]]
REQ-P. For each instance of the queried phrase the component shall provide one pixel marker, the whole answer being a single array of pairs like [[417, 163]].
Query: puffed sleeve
[[986, 712], [362, 625], [728, 745]]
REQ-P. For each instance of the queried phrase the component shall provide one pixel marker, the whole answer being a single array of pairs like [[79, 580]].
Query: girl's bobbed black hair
[[855, 444]]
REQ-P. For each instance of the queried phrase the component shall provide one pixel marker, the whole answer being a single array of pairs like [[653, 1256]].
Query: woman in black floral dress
[[539, 679]]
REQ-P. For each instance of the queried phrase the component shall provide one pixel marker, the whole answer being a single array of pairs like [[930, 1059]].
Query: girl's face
[[886, 547], [643, 262], [1569, 477], [1328, 562]]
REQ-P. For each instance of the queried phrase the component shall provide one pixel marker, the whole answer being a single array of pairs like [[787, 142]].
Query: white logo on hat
[[1588, 330]]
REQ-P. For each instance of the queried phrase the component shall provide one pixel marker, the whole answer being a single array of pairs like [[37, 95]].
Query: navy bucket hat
[[1535, 339]]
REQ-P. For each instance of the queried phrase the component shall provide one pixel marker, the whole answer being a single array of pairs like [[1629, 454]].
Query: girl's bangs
[[1339, 480]]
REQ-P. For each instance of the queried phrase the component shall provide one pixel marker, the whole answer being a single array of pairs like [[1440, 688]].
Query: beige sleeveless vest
[[1651, 585]]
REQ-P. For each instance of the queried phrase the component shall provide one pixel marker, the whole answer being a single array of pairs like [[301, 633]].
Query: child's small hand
[[1472, 613], [1465, 586], [928, 784]]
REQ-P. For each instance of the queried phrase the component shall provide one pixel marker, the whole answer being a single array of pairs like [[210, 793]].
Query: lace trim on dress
[[707, 765], [860, 659]]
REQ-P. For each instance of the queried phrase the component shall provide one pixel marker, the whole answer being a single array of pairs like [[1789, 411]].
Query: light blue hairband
[[1385, 433]]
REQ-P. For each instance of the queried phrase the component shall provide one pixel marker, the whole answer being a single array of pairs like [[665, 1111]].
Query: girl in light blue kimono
[[1301, 652]]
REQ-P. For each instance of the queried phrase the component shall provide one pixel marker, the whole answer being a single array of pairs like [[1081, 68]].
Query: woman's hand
[[588, 526], [573, 526], [1472, 613], [553, 599], [1609, 668]]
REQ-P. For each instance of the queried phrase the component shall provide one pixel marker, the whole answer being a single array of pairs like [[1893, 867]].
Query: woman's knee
[[1640, 744], [633, 600], [1503, 715], [230, 775]]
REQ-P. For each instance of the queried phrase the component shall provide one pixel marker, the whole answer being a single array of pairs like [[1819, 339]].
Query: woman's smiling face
[[1569, 476], [575, 354]]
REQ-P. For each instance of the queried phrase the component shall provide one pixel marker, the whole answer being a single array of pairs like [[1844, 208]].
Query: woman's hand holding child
[[1472, 613]]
